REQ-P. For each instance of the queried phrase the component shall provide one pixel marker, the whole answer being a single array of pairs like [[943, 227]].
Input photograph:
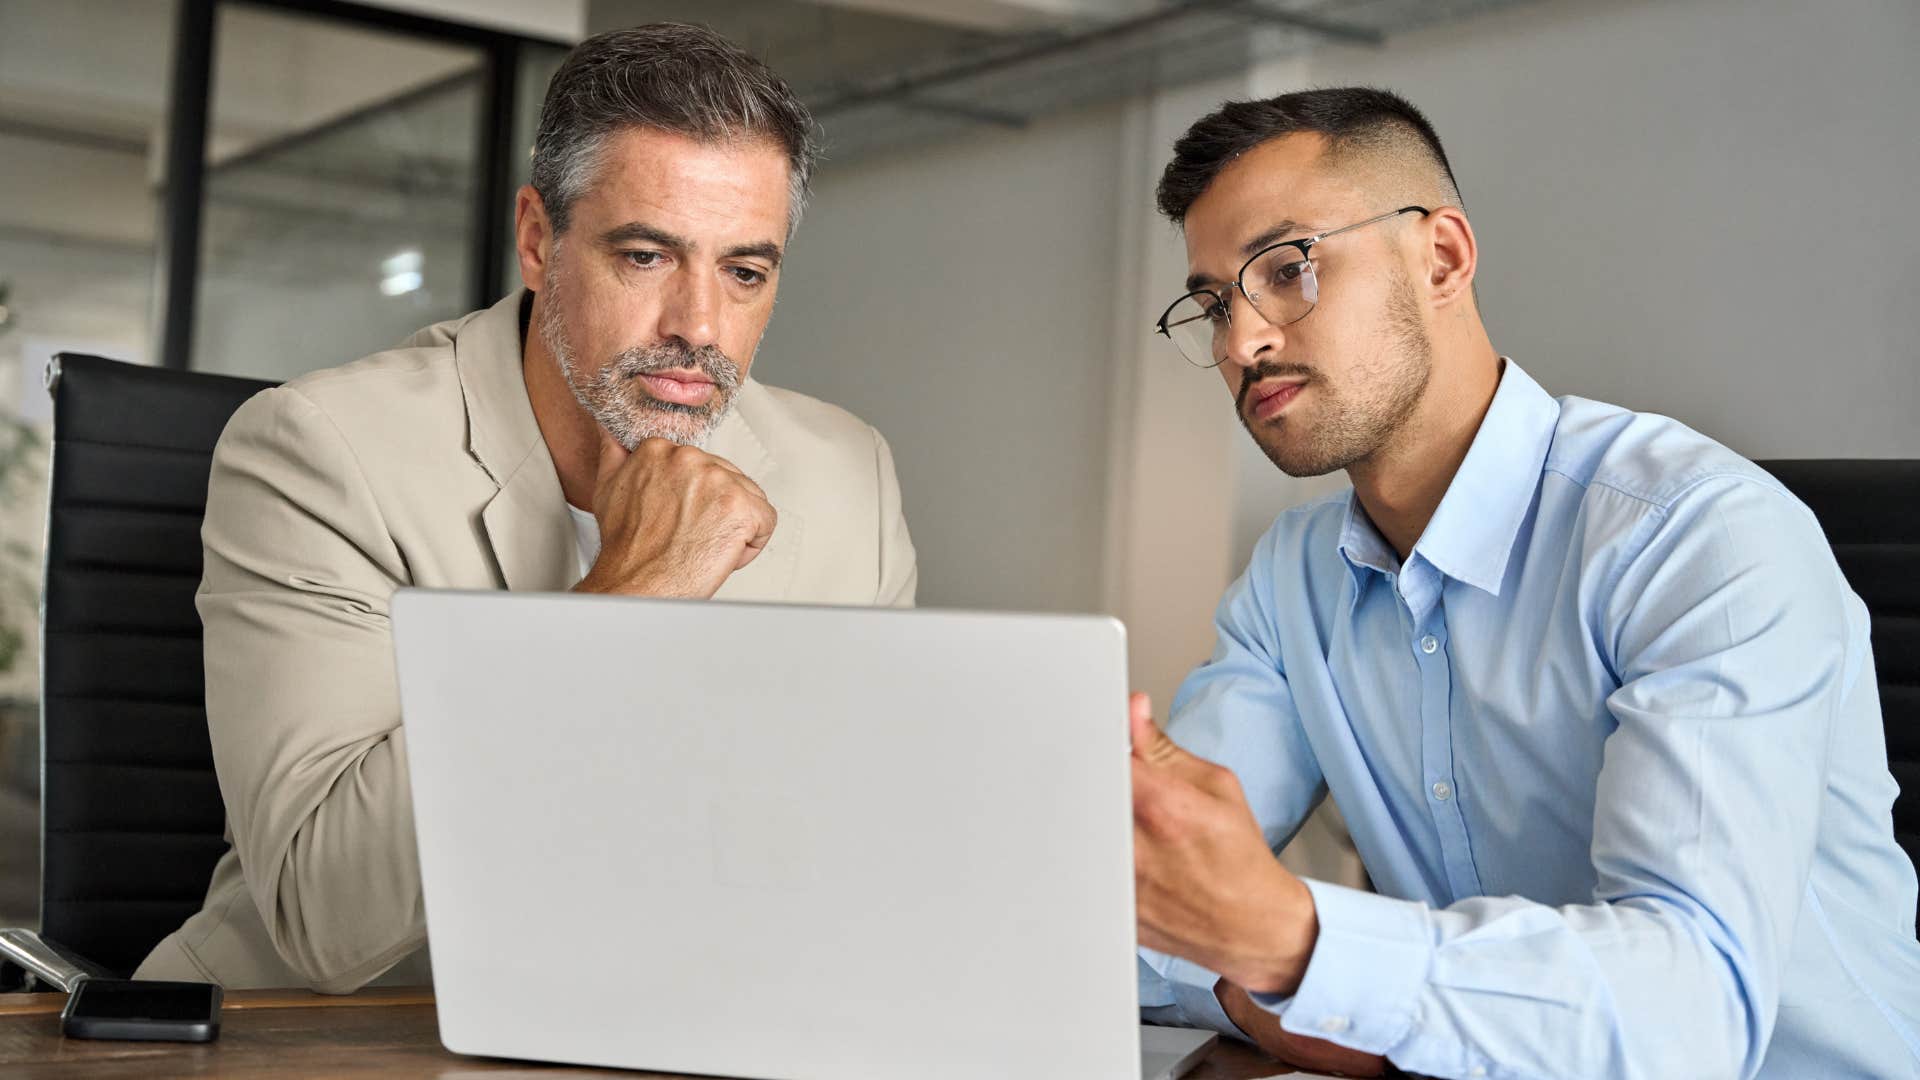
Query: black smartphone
[[146, 1011]]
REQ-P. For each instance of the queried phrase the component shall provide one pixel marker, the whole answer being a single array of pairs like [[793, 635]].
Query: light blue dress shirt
[[1609, 744]]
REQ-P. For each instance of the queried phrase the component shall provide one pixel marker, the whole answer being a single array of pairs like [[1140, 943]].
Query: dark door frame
[[190, 103]]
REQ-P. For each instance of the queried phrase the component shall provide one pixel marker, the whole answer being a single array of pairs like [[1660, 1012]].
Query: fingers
[[727, 465], [662, 451], [612, 456], [1140, 718], [681, 520], [765, 517], [1155, 940], [1164, 804], [1147, 785], [1185, 796], [1150, 744], [758, 507], [748, 481]]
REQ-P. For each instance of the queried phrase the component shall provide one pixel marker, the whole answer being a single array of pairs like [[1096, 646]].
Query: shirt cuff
[[1193, 998], [1363, 980], [1202, 1008]]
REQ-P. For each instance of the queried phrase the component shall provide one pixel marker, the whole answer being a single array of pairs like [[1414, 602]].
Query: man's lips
[[678, 386], [1272, 396]]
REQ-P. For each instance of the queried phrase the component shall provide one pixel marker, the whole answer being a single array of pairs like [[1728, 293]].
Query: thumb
[[612, 456], [1150, 744]]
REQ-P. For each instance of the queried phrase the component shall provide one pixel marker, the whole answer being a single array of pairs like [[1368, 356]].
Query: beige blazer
[[424, 466]]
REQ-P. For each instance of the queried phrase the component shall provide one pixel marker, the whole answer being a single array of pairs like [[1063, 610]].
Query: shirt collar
[[1472, 534], [1363, 547]]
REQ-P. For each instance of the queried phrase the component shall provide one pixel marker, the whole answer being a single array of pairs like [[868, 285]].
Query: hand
[[1299, 1051], [675, 521], [1207, 887]]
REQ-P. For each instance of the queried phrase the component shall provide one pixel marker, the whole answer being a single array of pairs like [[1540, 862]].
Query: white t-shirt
[[586, 529]]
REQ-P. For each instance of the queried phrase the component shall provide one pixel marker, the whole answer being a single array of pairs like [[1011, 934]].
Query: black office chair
[[1871, 512], [131, 816]]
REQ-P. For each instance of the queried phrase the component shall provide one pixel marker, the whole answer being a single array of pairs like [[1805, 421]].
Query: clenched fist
[[675, 521]]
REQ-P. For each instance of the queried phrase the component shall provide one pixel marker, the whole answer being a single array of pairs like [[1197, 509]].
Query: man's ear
[[1452, 256], [532, 237]]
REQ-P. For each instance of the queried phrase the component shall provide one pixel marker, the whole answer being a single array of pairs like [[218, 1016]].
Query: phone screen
[[115, 999]]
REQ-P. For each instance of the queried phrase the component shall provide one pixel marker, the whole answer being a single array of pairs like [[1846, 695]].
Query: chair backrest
[[131, 816], [1871, 512]]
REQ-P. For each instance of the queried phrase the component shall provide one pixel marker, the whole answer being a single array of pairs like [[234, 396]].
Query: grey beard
[[628, 413]]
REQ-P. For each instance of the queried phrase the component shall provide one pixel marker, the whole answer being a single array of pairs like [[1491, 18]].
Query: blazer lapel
[[531, 534], [770, 575], [526, 522]]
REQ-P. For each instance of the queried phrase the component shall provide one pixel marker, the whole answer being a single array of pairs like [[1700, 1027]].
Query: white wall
[[958, 299], [1698, 207], [1170, 485]]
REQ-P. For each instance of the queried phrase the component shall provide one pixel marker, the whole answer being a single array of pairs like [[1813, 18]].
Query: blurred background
[[1694, 207]]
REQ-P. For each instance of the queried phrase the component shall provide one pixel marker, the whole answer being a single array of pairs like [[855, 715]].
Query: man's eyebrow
[[640, 230], [765, 249], [1280, 231]]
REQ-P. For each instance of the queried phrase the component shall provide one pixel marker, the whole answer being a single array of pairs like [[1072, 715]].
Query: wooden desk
[[290, 1033]]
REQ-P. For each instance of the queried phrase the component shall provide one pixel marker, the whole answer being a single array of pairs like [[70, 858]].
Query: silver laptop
[[776, 842]]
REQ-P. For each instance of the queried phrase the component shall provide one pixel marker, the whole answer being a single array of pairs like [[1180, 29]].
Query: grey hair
[[672, 77]]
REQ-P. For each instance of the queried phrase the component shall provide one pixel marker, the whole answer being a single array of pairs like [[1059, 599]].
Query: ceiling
[[83, 83], [882, 74]]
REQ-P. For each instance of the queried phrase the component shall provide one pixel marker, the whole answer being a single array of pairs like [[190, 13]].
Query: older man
[[597, 430]]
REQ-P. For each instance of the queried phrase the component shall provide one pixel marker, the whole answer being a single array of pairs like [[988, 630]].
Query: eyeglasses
[[1285, 286]]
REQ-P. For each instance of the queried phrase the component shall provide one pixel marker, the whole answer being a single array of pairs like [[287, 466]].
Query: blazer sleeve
[[899, 570], [302, 703]]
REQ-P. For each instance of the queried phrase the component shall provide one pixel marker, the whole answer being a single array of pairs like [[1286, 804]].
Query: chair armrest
[[48, 961]]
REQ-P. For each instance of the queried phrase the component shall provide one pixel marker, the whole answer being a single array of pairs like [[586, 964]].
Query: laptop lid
[[773, 842]]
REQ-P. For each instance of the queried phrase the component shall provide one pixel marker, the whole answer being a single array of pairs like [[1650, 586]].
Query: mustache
[[667, 356], [1265, 370]]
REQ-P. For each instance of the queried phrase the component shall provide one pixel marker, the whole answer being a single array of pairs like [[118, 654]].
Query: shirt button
[[1442, 790], [1429, 644], [1334, 1025], [1477, 1072]]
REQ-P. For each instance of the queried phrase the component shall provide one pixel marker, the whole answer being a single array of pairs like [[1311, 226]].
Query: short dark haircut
[[671, 77], [1353, 119]]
